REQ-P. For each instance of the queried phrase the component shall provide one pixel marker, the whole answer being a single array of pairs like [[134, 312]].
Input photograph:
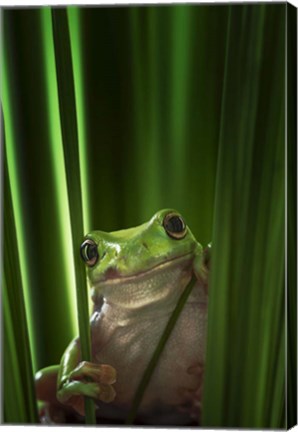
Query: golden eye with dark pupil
[[89, 252], [174, 226]]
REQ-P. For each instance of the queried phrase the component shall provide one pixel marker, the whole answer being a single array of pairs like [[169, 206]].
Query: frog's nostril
[[145, 245]]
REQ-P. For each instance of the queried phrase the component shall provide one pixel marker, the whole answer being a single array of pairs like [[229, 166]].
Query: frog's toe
[[71, 393], [78, 388], [101, 373], [191, 403], [107, 393], [191, 399], [102, 392], [197, 370]]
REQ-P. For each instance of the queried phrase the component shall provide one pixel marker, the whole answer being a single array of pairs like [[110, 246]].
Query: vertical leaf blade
[[19, 392], [68, 117], [245, 347]]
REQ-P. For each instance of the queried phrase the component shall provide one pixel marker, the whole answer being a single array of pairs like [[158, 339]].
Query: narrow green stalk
[[157, 353], [19, 393], [68, 117], [291, 292]]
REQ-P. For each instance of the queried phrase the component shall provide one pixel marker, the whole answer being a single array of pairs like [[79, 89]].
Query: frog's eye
[[89, 252], [174, 226]]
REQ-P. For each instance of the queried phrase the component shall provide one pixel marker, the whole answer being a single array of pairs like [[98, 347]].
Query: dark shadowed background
[[169, 106]]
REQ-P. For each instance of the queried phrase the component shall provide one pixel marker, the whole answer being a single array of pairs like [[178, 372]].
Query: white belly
[[128, 346]]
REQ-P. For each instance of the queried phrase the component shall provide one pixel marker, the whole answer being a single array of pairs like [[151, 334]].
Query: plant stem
[[69, 130]]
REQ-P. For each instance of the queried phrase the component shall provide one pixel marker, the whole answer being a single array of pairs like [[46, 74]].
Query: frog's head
[[141, 265]]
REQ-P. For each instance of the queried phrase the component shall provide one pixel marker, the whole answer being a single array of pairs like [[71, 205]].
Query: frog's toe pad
[[192, 403], [107, 374], [192, 398], [197, 370], [107, 393]]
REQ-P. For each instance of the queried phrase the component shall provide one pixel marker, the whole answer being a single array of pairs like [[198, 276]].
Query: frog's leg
[[46, 383], [78, 379], [201, 266], [51, 411], [207, 256]]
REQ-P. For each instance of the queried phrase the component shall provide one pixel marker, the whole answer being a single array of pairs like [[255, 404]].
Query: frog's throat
[[160, 283]]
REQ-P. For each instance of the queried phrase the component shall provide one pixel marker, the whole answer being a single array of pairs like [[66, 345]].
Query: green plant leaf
[[72, 166]]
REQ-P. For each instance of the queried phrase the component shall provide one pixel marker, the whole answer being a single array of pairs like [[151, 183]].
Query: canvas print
[[149, 215]]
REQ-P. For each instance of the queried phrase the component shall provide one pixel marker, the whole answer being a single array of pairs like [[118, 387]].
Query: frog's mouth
[[113, 276]]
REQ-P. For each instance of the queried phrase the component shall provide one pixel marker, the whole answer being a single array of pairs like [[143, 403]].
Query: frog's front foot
[[87, 379]]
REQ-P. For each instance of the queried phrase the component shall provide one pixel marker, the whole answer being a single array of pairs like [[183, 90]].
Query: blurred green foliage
[[173, 106]]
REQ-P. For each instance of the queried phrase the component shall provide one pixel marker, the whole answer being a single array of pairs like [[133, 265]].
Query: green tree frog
[[136, 277]]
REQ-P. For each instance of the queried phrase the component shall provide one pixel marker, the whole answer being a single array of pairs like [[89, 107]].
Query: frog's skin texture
[[136, 277]]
